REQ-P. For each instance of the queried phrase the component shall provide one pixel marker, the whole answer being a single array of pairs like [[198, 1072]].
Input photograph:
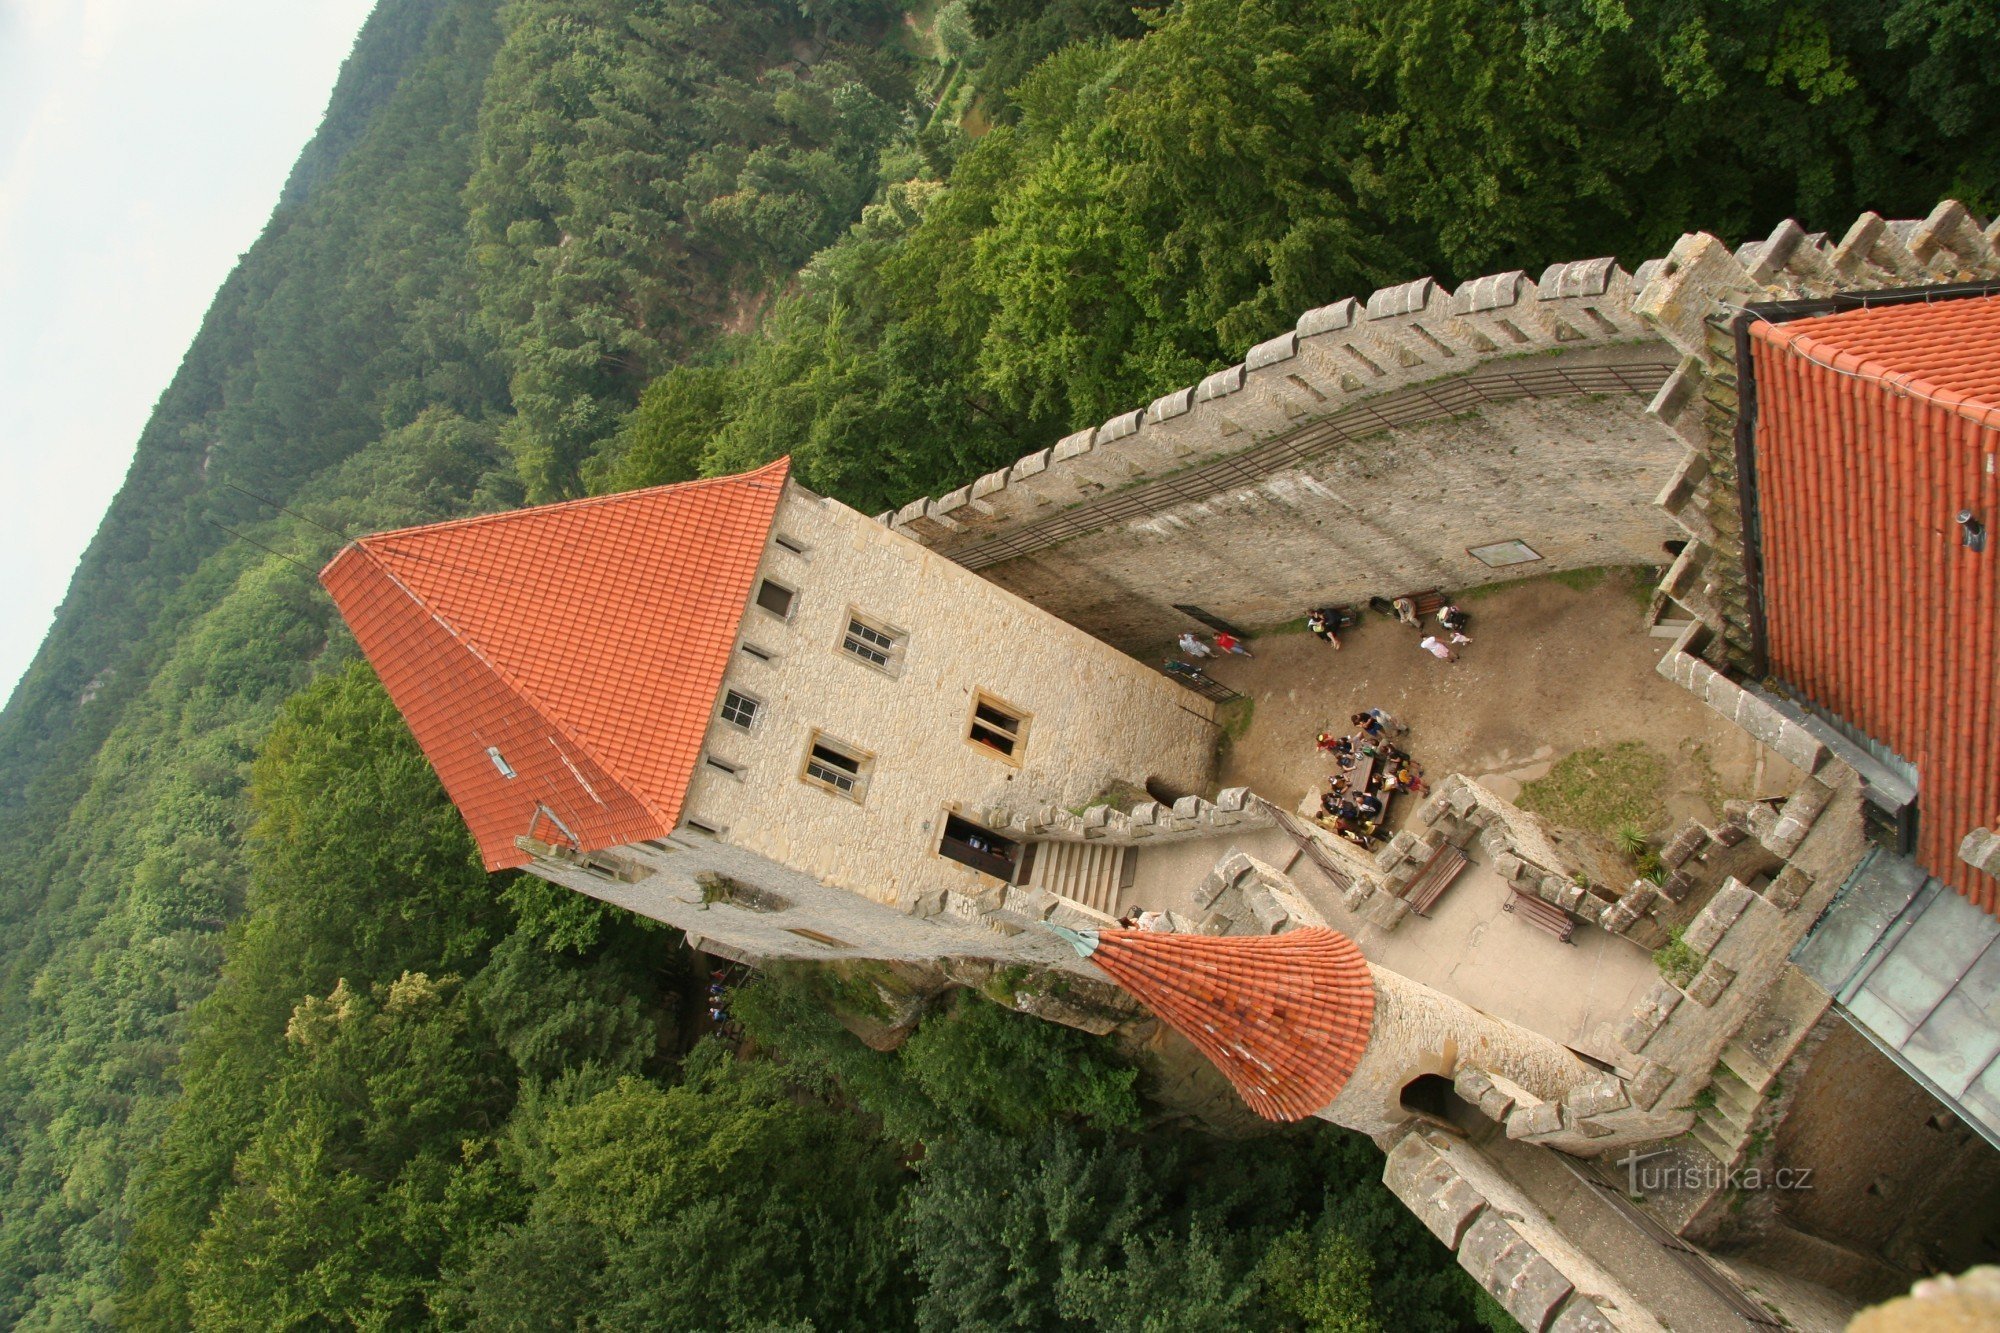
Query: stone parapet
[[1507, 1244], [1147, 822]]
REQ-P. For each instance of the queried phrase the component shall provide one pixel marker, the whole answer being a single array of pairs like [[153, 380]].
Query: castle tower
[[1301, 1024], [752, 712]]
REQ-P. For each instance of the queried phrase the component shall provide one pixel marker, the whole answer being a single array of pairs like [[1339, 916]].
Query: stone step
[[1714, 1144], [1739, 1061], [1733, 1094], [1089, 873]]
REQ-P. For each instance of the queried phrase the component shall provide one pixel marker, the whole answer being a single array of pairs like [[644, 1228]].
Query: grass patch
[[1118, 794], [1677, 960], [1236, 716], [1580, 580], [1600, 789], [1297, 626]]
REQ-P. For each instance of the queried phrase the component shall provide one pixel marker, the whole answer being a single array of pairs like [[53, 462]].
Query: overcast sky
[[142, 146]]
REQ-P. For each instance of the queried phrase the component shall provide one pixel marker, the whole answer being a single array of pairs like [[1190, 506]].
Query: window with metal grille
[[836, 767], [776, 598], [740, 709], [997, 726], [873, 642]]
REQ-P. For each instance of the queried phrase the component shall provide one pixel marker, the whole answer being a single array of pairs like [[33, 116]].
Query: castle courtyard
[[1556, 664]]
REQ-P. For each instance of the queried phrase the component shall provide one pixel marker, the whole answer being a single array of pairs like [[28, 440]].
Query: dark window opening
[[723, 766], [739, 709], [874, 643], [775, 598], [835, 767], [756, 652], [997, 728], [1431, 1095], [970, 845], [790, 544]]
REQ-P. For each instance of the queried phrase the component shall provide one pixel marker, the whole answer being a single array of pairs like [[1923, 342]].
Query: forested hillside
[[277, 1053]]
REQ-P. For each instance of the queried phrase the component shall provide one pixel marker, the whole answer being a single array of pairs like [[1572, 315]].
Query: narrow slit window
[[754, 651], [792, 544], [740, 709], [836, 767], [819, 937], [776, 598], [999, 727], [873, 642], [700, 827], [724, 766]]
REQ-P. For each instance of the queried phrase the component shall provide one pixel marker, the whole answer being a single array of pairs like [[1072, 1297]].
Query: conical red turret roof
[[1286, 1018], [559, 664]]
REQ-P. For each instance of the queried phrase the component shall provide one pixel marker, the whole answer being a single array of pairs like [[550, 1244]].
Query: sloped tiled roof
[[1875, 427], [1286, 1018], [585, 642]]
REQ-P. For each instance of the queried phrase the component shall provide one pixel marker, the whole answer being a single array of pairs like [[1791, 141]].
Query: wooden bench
[[1428, 601], [1541, 915], [1447, 863]]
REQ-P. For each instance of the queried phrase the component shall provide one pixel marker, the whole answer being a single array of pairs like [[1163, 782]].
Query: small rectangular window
[[776, 598], [500, 761], [760, 654], [997, 726], [873, 642], [723, 766], [791, 544], [837, 767], [700, 827], [740, 709]]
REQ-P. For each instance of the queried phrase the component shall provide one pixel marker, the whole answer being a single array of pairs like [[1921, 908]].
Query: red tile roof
[[1284, 1017], [1874, 428], [585, 642]]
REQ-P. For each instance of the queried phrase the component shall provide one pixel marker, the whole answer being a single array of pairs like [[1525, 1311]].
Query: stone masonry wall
[[1573, 477], [1095, 717]]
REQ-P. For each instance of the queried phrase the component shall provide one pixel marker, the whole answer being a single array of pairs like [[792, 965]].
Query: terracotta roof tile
[[1286, 1018], [1874, 428], [585, 642]]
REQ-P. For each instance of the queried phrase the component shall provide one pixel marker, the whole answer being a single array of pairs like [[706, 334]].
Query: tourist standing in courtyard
[[1229, 643], [1438, 648], [1194, 647]]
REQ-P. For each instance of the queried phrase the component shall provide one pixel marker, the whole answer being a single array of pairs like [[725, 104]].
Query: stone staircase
[[1091, 873], [1725, 1125]]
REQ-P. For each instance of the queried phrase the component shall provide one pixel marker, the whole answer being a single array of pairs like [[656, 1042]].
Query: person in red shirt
[[1229, 643]]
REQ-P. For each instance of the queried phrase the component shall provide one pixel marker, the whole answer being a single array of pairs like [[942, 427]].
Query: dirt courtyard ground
[[1556, 664]]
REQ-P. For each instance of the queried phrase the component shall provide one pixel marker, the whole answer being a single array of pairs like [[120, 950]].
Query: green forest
[[276, 1053]]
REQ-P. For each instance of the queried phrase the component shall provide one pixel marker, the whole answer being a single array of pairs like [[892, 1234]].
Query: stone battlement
[[1338, 356], [1417, 352]]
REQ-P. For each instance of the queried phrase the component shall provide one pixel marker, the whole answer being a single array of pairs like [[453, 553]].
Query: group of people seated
[[1326, 622], [1353, 809]]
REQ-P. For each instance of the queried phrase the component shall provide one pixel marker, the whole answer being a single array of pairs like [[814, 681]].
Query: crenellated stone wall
[[1692, 299], [1365, 451]]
